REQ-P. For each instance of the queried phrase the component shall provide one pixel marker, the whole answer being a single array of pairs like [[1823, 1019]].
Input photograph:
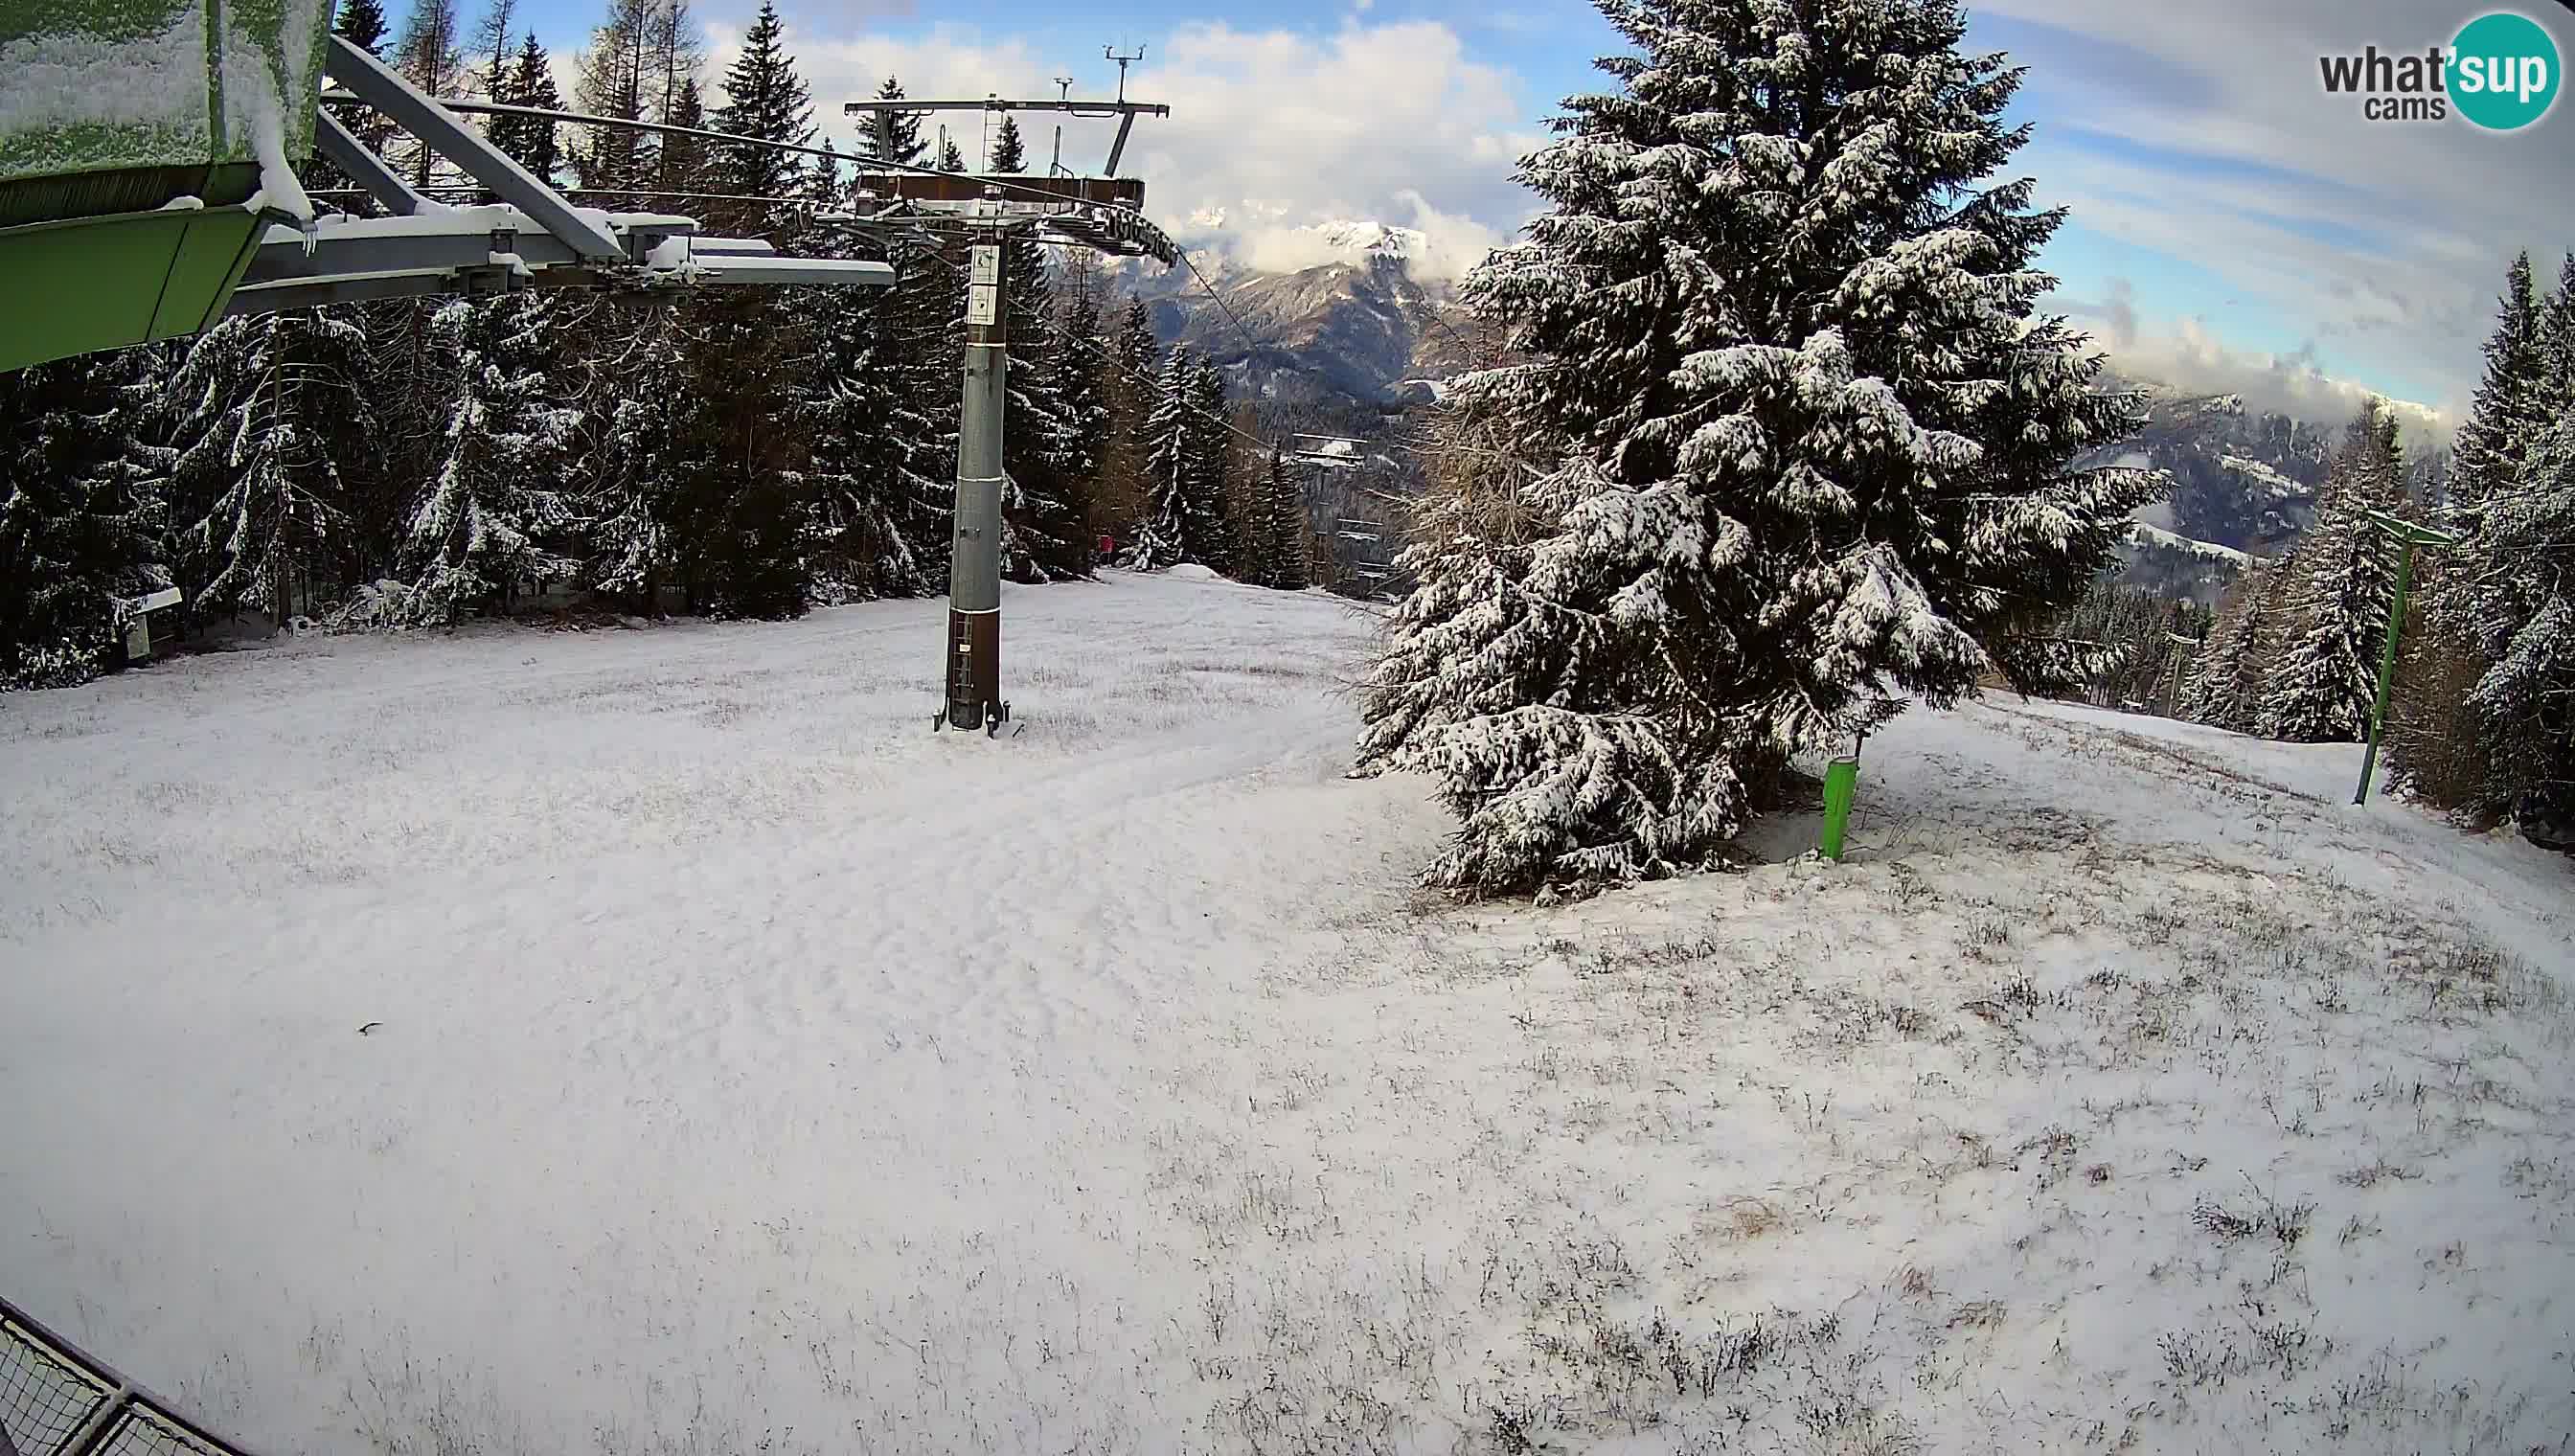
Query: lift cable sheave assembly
[[144, 197]]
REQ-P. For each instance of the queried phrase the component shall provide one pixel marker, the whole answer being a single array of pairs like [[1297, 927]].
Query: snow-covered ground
[[748, 1069]]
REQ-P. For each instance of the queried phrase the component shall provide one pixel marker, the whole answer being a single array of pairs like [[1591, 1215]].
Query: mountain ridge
[[1359, 329]]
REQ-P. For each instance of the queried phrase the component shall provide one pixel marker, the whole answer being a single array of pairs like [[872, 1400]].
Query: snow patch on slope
[[2144, 534], [2265, 479]]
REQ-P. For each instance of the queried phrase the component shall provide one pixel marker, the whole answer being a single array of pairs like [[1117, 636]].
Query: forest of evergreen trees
[[2482, 715], [740, 453]]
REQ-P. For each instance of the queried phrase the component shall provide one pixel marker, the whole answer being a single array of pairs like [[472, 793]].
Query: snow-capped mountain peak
[[1369, 239]]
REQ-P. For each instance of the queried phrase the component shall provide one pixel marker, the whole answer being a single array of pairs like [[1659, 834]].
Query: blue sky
[[2233, 225]]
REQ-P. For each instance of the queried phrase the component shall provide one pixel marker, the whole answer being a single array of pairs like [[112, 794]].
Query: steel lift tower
[[1102, 213]]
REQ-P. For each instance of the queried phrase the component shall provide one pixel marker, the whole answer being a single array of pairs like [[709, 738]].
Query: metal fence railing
[[57, 1401]]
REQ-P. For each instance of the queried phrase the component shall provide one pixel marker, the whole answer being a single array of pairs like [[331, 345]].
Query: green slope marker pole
[[1841, 780], [2386, 671], [2407, 536]]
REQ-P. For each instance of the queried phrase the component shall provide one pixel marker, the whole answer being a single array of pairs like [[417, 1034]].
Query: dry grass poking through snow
[[2030, 1130], [2125, 1092]]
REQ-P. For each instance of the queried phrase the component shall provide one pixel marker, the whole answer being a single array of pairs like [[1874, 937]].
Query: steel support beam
[[1118, 148], [353, 288], [714, 271], [471, 250], [996, 103], [728, 269], [424, 243], [349, 155], [369, 81], [460, 237]]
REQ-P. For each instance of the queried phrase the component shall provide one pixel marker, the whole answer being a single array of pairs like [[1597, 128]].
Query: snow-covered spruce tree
[[1047, 513], [1081, 368], [1815, 442], [1287, 542], [746, 523], [1493, 496], [892, 136], [264, 409], [2227, 686], [1169, 438], [2328, 677], [529, 80], [2505, 417], [81, 524], [924, 321], [637, 444], [2522, 602], [1129, 387], [859, 478], [849, 404], [1211, 534], [494, 502], [2435, 742]]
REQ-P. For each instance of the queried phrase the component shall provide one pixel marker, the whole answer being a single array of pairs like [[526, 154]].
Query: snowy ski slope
[[748, 1069]]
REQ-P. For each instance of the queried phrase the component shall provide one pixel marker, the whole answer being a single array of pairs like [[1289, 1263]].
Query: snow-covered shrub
[[61, 664], [384, 605]]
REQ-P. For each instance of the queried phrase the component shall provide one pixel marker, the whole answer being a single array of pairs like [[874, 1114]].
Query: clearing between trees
[[748, 1069]]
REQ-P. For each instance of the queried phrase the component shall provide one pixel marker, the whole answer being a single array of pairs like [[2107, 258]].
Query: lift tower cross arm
[[1124, 110]]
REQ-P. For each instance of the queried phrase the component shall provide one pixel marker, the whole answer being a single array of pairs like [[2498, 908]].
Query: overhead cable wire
[[1230, 316]]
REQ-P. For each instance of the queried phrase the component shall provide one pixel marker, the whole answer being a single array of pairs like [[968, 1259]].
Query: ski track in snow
[[757, 1066]]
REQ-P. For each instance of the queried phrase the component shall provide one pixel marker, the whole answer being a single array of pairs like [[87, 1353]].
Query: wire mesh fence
[[57, 1401]]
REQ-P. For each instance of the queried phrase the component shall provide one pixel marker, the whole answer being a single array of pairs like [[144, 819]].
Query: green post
[[1841, 780], [2386, 669], [2407, 536]]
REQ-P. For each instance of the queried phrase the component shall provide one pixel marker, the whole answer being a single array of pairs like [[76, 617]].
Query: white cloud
[[1440, 246], [2388, 241], [2188, 357], [1269, 131]]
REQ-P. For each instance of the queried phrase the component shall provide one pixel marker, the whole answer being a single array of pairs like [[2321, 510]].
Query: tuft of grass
[[1977, 1314], [2258, 1215]]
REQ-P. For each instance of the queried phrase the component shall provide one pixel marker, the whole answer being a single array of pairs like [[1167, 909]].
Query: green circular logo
[[2503, 71]]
